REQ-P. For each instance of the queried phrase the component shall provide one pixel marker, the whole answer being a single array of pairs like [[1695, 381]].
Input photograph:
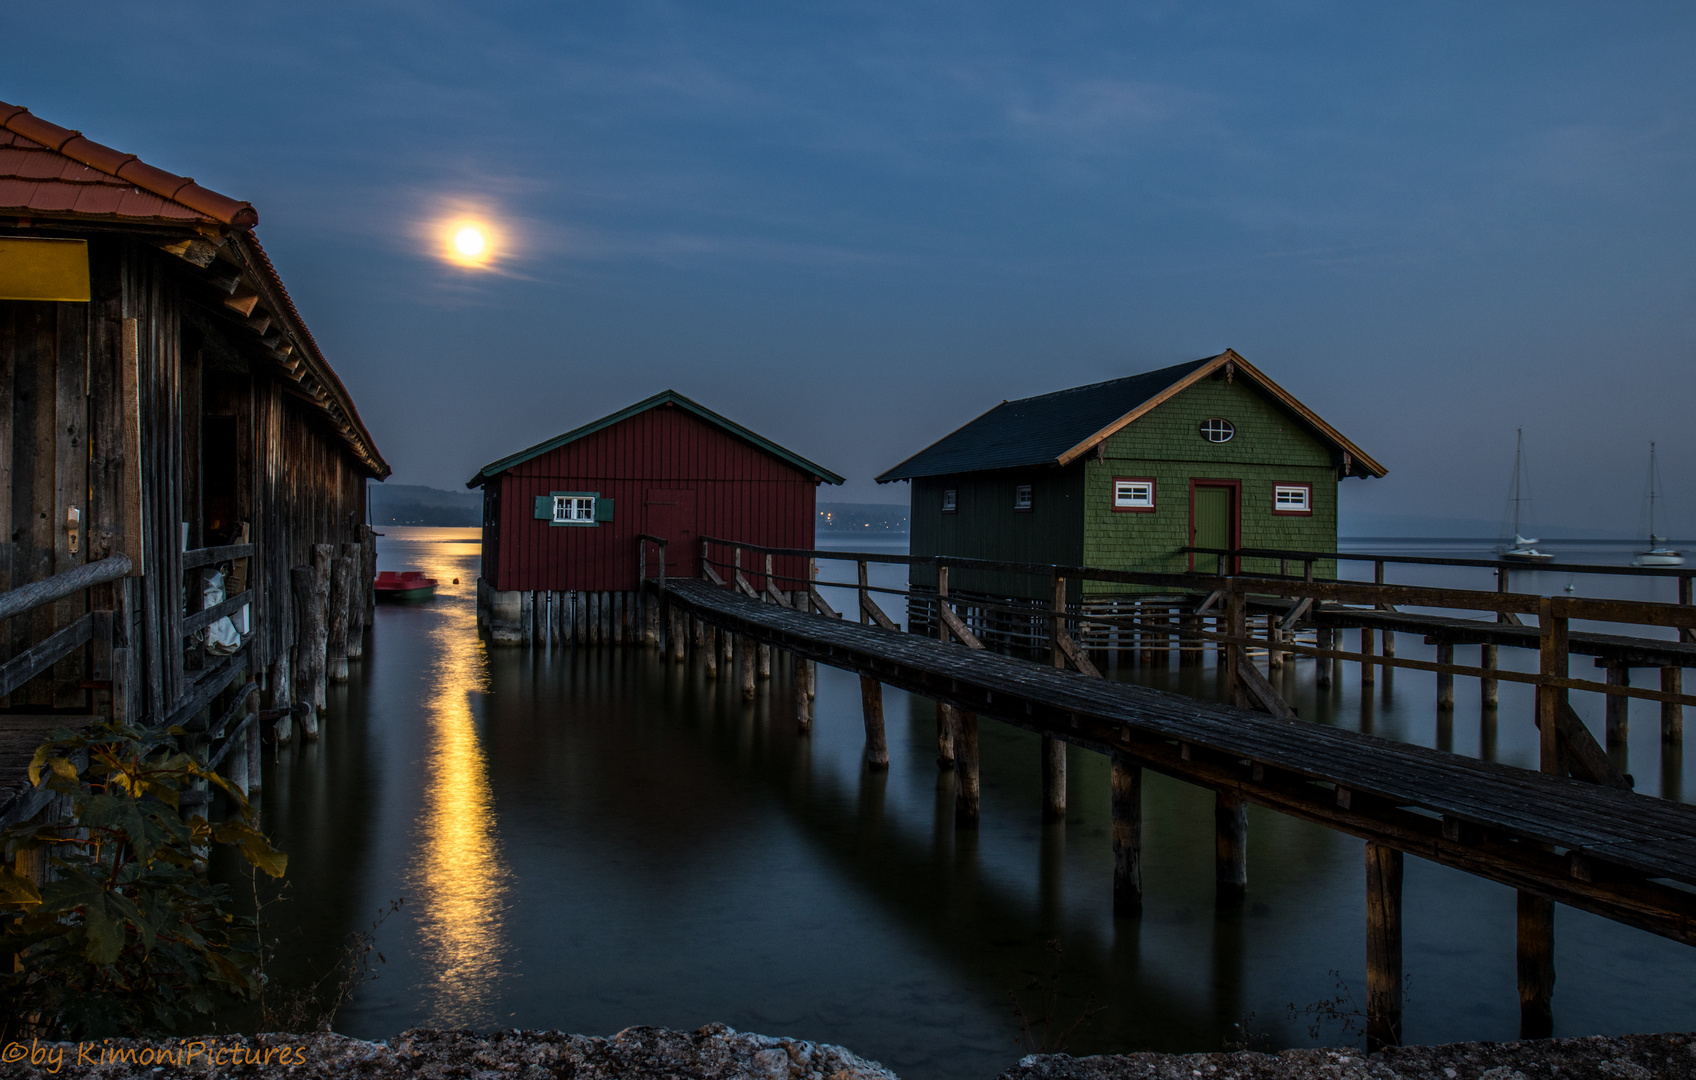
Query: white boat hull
[[1658, 558]]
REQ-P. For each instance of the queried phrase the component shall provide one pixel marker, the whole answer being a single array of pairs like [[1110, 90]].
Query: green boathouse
[[1128, 473]]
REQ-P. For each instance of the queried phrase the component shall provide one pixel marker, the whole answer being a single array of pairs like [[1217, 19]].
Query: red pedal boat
[[407, 585]]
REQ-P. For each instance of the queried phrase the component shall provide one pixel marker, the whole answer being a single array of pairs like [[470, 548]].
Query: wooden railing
[[1227, 601], [41, 656]]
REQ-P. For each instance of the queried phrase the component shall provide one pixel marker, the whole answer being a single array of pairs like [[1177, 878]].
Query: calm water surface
[[592, 839]]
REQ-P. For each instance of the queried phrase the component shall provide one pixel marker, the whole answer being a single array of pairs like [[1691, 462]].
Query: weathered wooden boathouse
[[561, 519], [182, 475], [1128, 475]]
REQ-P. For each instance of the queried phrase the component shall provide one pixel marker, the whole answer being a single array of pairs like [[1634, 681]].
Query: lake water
[[592, 839]]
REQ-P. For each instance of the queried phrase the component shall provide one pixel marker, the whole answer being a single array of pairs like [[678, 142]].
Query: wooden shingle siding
[[741, 493], [986, 526]]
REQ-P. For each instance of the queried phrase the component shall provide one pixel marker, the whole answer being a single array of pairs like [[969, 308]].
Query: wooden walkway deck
[[1627, 857]]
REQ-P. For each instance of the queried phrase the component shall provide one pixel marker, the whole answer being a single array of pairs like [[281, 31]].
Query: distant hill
[[862, 517], [412, 504]]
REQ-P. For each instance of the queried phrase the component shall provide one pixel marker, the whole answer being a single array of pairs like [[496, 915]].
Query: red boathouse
[[560, 519]]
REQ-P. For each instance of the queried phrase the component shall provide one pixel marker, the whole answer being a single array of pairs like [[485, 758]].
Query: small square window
[[574, 509], [950, 500], [1022, 497], [1292, 499], [1133, 493]]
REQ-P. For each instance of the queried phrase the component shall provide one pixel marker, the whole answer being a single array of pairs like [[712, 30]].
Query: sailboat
[[1523, 549], [1658, 554]]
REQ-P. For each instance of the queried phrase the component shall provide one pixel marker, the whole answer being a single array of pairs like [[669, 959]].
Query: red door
[[670, 514]]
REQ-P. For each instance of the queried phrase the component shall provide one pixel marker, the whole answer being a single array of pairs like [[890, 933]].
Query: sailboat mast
[[1651, 493], [1518, 456]]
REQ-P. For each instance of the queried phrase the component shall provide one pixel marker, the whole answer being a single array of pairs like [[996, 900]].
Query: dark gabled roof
[[665, 397], [1058, 428]]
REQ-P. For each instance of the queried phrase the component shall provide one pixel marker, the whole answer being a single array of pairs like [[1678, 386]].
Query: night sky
[[854, 227]]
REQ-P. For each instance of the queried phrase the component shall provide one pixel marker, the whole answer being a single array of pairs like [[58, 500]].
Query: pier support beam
[[1230, 846], [1383, 947], [707, 647], [1368, 674], [282, 729], [1536, 966], [944, 737], [803, 705], [965, 768], [1489, 695], [746, 659], [871, 705], [765, 661], [1672, 713], [1325, 638], [1618, 706], [1127, 835], [341, 590], [1053, 777], [1445, 679]]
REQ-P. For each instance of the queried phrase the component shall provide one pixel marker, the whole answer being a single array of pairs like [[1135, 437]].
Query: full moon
[[468, 242]]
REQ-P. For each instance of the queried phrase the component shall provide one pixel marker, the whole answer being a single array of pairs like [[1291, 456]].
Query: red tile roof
[[47, 169]]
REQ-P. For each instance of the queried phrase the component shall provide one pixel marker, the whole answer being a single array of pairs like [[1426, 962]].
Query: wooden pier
[[1572, 833]]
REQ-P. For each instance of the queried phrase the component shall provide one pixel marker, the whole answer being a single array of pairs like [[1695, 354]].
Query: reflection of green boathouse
[[1125, 475]]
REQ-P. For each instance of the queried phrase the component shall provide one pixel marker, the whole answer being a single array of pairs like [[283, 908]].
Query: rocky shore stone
[[715, 1052], [1624, 1057]]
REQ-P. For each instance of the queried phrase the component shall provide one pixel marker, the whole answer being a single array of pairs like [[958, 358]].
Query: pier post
[[1236, 630], [341, 586], [1383, 947], [1536, 964], [1230, 848], [871, 705], [706, 646], [309, 637], [1368, 676], [1445, 679], [1672, 713], [1618, 706], [1126, 778], [282, 730], [1325, 638], [1552, 656], [355, 636], [765, 660], [1274, 658], [965, 769], [1053, 777], [803, 705], [727, 647], [1489, 696], [323, 560], [698, 632], [678, 645], [747, 661]]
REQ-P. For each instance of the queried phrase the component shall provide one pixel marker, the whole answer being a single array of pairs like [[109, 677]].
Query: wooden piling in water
[[1672, 713], [765, 662], [1383, 947], [1489, 693], [1618, 705], [1053, 777], [803, 706], [707, 649], [1230, 846], [341, 590], [745, 651], [358, 586], [1126, 809], [282, 729], [1445, 679], [1368, 675], [871, 708], [966, 786], [1325, 638], [308, 678], [1536, 965]]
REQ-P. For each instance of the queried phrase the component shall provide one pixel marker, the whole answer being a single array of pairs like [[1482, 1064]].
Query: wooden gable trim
[[1359, 457]]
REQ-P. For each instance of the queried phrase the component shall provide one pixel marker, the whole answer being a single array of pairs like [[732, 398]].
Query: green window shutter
[[544, 508], [603, 509]]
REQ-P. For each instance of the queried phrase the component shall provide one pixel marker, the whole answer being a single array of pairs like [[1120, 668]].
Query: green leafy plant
[[125, 936]]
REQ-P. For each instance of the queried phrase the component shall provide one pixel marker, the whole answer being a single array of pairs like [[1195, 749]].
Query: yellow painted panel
[[38, 268]]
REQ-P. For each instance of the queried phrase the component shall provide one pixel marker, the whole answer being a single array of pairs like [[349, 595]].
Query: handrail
[[209, 556], [1434, 560], [29, 597], [642, 541]]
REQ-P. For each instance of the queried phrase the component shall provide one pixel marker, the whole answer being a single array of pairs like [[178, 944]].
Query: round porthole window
[[1217, 430]]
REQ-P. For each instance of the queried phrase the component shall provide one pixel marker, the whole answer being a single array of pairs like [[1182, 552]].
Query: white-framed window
[[950, 500], [574, 509], [1217, 430], [1292, 498], [1022, 497], [1133, 493]]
